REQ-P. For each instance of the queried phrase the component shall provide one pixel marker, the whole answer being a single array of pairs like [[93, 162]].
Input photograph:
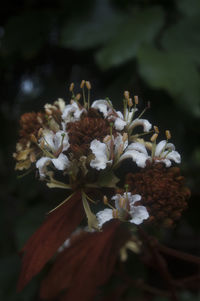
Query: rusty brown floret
[[163, 192]]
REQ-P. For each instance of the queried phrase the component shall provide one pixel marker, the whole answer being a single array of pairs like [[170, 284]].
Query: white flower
[[120, 120], [165, 152], [53, 145], [106, 152], [124, 204], [72, 113]]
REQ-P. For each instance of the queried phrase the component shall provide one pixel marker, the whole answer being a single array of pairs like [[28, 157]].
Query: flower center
[[82, 133]]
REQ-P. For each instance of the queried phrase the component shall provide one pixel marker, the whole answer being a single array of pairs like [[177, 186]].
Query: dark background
[[151, 48]]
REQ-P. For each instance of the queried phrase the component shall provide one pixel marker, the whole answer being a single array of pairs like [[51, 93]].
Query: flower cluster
[[83, 144]]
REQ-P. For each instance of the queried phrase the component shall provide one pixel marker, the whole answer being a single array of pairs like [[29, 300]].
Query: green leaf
[[189, 7], [140, 27], [174, 72], [93, 30], [184, 37]]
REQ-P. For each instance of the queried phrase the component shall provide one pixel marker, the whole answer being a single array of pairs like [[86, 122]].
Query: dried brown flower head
[[163, 192]]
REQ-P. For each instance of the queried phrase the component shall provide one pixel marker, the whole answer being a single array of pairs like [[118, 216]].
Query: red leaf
[[86, 264], [49, 237]]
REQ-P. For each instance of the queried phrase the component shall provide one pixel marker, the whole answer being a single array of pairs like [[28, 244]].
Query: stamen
[[126, 95], [136, 100], [105, 200], [168, 134], [153, 140], [71, 87], [82, 85], [130, 102], [115, 213], [156, 129], [88, 85]]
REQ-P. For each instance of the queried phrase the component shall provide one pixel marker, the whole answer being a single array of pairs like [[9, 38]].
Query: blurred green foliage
[[149, 47]]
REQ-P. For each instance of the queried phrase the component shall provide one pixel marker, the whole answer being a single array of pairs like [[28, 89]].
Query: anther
[[154, 137], [130, 102], [115, 213], [88, 85], [168, 134], [78, 96], [105, 200], [156, 129], [71, 87], [82, 84], [127, 95], [136, 99], [33, 138]]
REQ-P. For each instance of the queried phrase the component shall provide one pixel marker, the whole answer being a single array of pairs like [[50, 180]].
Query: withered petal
[[49, 237]]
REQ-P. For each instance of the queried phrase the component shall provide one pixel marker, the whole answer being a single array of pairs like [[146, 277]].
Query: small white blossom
[[103, 151], [165, 152], [124, 204], [53, 145], [72, 113]]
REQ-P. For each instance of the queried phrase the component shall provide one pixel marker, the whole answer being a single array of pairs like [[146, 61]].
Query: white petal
[[138, 147], [60, 103], [139, 214], [139, 158], [102, 105], [48, 138], [41, 164], [134, 198], [60, 140], [119, 124], [120, 144], [175, 156], [100, 150], [104, 216], [160, 147], [166, 161], [72, 112], [61, 162], [143, 122]]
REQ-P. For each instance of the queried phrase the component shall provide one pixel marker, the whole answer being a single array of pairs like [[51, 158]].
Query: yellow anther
[[168, 134], [127, 95], [40, 132], [33, 138], [130, 102], [154, 137], [71, 87], [136, 99], [124, 137], [122, 202], [156, 129], [115, 213], [88, 85], [82, 84], [78, 96], [105, 200], [107, 138]]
